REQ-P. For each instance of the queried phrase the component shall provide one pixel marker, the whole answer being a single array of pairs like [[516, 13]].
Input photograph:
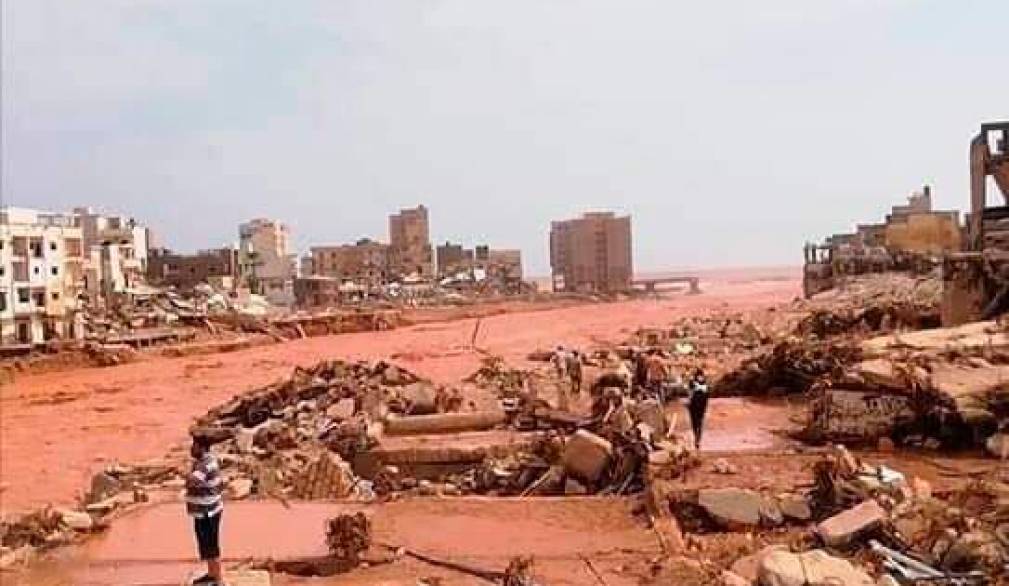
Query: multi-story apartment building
[[591, 253], [265, 261], [365, 262], [410, 243], [41, 275], [505, 264]]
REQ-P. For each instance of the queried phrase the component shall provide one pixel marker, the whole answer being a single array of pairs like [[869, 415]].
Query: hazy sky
[[731, 131]]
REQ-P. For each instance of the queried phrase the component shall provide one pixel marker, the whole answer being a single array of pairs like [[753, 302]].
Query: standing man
[[574, 368], [205, 504], [698, 404]]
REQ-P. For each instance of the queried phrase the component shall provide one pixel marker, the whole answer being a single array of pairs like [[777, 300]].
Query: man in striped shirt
[[205, 504]]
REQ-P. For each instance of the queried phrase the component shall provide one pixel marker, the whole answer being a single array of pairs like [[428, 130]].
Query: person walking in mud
[[574, 368], [205, 505], [697, 404]]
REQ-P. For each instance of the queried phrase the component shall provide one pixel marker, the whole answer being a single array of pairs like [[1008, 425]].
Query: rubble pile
[[792, 365], [494, 373], [916, 534], [940, 387]]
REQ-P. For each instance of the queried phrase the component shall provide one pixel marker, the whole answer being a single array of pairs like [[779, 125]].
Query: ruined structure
[[410, 249], [265, 261], [591, 253], [217, 267], [365, 262], [976, 281], [912, 237]]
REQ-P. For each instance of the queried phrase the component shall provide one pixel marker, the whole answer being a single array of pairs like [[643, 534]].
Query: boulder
[[420, 397], [723, 466], [342, 409], [586, 456], [812, 568], [748, 567], [843, 528], [733, 579], [77, 520], [998, 445], [795, 507], [731, 507], [103, 485], [770, 513], [240, 488]]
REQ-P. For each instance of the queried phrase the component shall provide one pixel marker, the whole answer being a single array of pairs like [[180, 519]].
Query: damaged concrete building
[[502, 264], [366, 262], [265, 262], [217, 267], [591, 253], [410, 248]]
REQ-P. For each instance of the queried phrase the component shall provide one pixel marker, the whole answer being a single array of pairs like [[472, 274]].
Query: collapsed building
[[912, 238]]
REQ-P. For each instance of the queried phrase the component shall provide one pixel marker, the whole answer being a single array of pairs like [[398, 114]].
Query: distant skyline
[[731, 132]]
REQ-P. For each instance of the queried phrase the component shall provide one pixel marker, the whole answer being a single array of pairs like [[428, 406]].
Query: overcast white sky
[[731, 131]]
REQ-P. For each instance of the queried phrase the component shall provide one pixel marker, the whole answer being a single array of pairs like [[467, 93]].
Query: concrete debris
[[732, 508], [842, 529], [587, 456], [812, 568]]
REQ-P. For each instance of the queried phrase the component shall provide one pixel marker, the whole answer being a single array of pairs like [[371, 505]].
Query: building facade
[[265, 260], [591, 253], [366, 262], [410, 243], [41, 276], [116, 248], [218, 267]]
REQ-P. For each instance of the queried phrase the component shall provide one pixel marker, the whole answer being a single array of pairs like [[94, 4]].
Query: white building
[[41, 274], [265, 261]]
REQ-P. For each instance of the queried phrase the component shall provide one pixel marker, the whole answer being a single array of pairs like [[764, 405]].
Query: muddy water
[[56, 429]]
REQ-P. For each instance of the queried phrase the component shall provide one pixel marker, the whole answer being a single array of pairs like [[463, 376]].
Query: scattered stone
[[103, 485], [76, 520], [731, 507], [974, 550], [812, 568], [342, 409], [885, 445], [586, 456], [240, 488], [749, 566], [843, 528], [998, 445], [733, 579], [887, 580], [723, 466], [770, 513], [795, 507], [244, 440]]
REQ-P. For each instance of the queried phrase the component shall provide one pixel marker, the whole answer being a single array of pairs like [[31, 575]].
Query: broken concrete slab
[[443, 422], [843, 528], [795, 507], [748, 567], [812, 568]]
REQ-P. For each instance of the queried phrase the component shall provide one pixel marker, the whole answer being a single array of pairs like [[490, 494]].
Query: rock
[[795, 507], [732, 579], [240, 488], [922, 488], [770, 513], [586, 456], [813, 568], [885, 444], [426, 488], [998, 445], [842, 528], [244, 439], [652, 413], [974, 551], [77, 520], [103, 485], [574, 488], [731, 507], [887, 580], [748, 567], [723, 466], [342, 409]]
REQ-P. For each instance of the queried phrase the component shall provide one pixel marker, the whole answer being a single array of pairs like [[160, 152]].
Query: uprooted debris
[[791, 366]]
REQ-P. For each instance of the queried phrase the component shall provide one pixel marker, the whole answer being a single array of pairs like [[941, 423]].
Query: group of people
[[651, 376]]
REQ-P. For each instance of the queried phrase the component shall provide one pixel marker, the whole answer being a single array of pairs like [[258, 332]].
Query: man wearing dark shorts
[[205, 505], [697, 405]]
